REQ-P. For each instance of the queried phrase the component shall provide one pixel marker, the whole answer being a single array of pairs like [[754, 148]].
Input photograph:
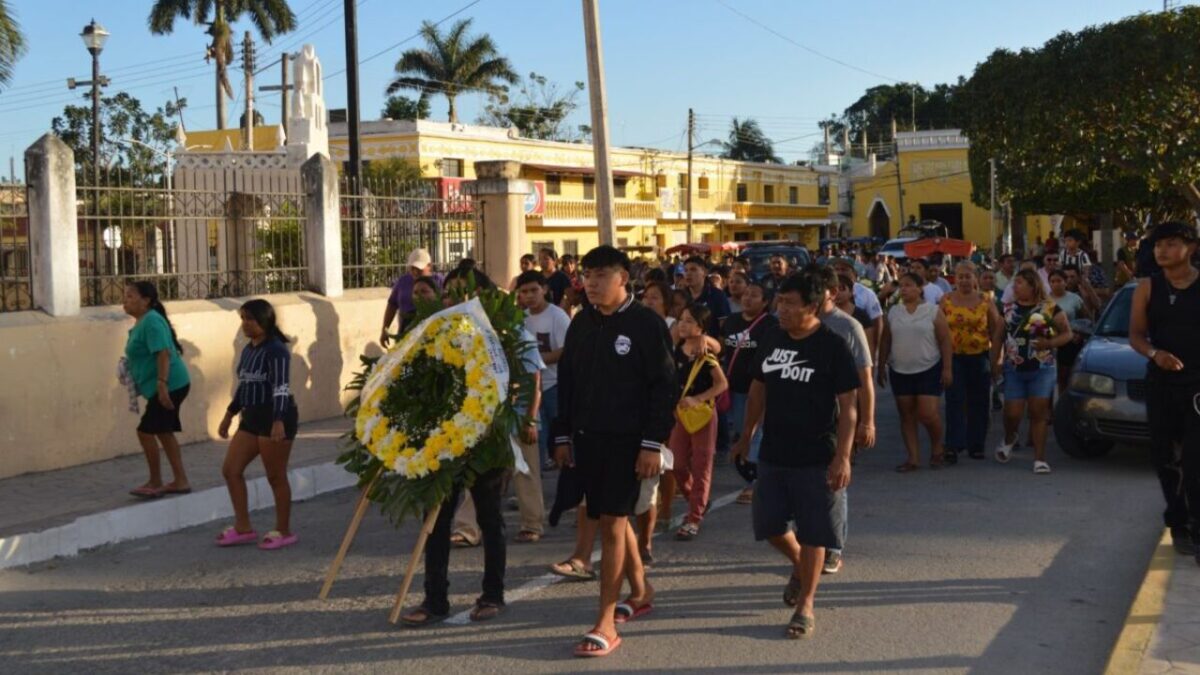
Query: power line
[[806, 48]]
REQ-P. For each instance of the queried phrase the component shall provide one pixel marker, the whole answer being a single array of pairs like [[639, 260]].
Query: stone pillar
[[500, 239], [322, 226], [53, 226]]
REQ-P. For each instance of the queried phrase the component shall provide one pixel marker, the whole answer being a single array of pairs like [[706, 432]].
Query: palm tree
[[270, 17], [452, 63], [748, 143], [12, 43]]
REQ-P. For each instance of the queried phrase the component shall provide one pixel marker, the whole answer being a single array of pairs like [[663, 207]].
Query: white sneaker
[[1004, 452]]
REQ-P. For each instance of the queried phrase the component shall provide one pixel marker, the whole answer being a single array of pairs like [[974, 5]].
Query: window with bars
[[452, 168], [793, 194], [553, 184], [589, 187], [743, 194], [619, 188], [570, 247]]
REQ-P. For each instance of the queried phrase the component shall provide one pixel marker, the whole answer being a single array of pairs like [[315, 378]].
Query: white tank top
[[914, 339]]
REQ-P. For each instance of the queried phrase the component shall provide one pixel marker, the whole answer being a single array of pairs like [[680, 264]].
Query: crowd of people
[[650, 371]]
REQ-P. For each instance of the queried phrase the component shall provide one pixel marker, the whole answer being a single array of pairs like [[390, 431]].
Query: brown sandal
[[421, 616], [528, 537], [907, 467], [485, 610]]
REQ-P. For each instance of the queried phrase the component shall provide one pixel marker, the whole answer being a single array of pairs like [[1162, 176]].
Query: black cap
[[1174, 230]]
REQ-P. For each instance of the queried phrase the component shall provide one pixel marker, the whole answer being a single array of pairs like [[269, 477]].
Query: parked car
[[894, 248], [1105, 402], [760, 253]]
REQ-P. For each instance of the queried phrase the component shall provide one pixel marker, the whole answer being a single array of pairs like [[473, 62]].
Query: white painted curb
[[160, 516]]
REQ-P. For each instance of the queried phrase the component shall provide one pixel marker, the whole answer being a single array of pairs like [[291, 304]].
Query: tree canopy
[[12, 42], [909, 104], [405, 108], [539, 109], [451, 64], [748, 143], [270, 18], [1107, 118], [121, 117]]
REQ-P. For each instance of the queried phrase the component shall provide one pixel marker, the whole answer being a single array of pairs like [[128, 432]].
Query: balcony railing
[[759, 210], [584, 209]]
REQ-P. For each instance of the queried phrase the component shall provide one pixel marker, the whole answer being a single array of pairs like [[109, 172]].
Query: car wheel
[[1069, 440]]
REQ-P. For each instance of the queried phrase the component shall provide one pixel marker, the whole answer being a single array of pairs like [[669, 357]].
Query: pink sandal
[[275, 540], [231, 537]]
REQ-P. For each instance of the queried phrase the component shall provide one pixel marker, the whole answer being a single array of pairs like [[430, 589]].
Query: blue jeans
[[967, 404], [548, 412], [737, 420]]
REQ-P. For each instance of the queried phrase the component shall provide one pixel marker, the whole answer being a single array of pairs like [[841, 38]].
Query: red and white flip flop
[[231, 537], [596, 639], [276, 540], [626, 612]]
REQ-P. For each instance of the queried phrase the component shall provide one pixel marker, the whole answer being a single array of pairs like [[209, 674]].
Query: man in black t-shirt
[[1164, 326], [557, 282], [804, 393]]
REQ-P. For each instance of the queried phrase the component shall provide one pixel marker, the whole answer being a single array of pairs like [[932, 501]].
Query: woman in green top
[[153, 364]]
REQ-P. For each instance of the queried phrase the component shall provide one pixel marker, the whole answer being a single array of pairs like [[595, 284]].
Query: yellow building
[[732, 200], [932, 182]]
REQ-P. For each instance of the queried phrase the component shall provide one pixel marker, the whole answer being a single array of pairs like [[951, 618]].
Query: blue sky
[[661, 56]]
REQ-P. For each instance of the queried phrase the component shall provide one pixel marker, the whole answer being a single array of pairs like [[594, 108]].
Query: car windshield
[[1115, 321], [894, 246], [760, 261]]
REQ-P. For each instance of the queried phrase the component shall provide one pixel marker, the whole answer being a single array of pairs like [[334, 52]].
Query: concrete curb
[[160, 516], [1145, 614]]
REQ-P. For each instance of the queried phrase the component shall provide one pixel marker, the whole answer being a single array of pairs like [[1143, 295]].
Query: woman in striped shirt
[[268, 426]]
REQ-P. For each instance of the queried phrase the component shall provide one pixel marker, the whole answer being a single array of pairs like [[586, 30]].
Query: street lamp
[[94, 36]]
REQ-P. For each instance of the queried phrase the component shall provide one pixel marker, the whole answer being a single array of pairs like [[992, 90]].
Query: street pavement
[[979, 567]]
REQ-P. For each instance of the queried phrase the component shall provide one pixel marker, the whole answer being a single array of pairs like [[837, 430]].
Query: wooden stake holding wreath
[[437, 410]]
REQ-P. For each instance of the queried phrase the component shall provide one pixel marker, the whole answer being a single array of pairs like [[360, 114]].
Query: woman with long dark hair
[[153, 366], [269, 420], [1035, 328]]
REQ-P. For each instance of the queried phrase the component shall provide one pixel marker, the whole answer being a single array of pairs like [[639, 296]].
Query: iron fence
[[15, 265], [383, 221], [213, 235]]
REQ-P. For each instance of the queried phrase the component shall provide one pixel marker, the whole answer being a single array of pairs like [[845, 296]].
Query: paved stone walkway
[[1175, 647]]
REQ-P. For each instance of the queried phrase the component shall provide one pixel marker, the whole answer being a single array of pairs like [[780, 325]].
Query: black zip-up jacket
[[617, 376]]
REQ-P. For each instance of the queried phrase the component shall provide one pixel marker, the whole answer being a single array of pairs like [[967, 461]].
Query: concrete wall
[[61, 404]]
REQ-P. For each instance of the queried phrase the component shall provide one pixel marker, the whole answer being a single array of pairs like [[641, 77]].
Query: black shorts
[[924, 383], [801, 495], [607, 466], [159, 420], [257, 420]]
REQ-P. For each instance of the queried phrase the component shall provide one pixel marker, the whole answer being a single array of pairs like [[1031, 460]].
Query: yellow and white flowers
[[460, 337]]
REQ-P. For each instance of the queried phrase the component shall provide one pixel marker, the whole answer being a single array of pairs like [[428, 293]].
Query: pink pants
[[694, 465]]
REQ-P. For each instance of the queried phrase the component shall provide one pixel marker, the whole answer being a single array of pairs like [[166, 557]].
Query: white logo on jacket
[[784, 360], [622, 345]]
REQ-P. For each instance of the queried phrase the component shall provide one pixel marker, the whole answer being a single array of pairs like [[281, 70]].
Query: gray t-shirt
[[849, 329], [1070, 303]]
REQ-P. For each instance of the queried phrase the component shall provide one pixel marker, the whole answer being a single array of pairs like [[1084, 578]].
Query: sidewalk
[[1162, 632], [54, 513]]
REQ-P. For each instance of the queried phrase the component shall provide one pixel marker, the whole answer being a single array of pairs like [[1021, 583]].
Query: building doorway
[[880, 221], [950, 215]]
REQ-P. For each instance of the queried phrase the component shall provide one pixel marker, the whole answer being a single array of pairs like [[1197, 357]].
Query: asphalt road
[[976, 568]]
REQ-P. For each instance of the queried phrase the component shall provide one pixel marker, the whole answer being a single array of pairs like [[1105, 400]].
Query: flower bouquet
[[437, 410]]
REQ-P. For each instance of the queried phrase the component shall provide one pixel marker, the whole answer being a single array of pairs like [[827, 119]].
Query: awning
[[580, 170]]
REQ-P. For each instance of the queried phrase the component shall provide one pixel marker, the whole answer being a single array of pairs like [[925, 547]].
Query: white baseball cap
[[419, 258]]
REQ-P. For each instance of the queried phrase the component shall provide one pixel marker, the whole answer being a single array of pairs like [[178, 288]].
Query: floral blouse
[[968, 326]]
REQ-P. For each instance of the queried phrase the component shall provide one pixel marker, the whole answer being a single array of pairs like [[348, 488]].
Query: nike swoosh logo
[[772, 367]]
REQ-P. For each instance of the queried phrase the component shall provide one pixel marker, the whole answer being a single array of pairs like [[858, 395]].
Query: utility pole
[[248, 67], [691, 134], [899, 184], [179, 110], [992, 207], [846, 142], [605, 216], [354, 170], [283, 89]]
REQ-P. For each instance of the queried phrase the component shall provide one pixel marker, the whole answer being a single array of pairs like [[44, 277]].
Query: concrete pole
[[53, 226], [322, 226], [499, 195], [605, 209]]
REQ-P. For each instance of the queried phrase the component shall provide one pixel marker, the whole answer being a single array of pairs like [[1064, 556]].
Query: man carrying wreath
[[616, 394]]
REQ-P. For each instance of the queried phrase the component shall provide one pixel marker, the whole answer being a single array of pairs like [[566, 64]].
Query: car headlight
[[1091, 383]]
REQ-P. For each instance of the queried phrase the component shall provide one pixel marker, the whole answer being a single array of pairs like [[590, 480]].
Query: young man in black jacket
[[616, 396]]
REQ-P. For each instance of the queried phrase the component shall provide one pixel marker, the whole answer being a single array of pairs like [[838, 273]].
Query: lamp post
[[94, 36]]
